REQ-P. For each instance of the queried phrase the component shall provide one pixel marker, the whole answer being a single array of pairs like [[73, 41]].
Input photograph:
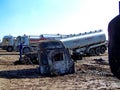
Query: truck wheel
[[97, 51], [102, 49], [26, 50], [10, 49], [92, 52]]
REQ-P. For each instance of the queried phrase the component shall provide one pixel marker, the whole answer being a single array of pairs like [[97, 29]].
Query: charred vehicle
[[54, 58]]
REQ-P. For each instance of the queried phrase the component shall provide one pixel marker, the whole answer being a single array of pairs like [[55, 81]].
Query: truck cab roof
[[50, 44]]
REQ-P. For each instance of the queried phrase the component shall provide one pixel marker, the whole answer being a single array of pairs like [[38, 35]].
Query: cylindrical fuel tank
[[84, 40]]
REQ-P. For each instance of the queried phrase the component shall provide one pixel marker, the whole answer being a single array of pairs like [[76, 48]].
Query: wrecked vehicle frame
[[54, 58]]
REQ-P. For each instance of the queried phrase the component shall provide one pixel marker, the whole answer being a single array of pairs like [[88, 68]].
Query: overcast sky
[[35, 17]]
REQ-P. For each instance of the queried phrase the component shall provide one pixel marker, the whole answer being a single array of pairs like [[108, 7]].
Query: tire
[[9, 49], [26, 50], [97, 51], [114, 46], [92, 52], [102, 49]]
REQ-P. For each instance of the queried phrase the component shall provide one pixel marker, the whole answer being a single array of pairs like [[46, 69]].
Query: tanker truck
[[88, 43]]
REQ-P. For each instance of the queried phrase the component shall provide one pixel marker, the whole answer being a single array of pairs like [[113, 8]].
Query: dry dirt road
[[91, 73]]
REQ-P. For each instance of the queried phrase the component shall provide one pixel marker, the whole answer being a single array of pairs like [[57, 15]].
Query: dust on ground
[[91, 73]]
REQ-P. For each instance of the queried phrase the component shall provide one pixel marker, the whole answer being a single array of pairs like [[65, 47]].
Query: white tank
[[84, 39]]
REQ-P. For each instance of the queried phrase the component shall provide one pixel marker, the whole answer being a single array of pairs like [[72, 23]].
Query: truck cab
[[8, 43], [25, 43], [54, 58]]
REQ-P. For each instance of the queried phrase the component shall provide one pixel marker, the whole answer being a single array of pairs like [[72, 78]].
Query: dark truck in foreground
[[114, 45]]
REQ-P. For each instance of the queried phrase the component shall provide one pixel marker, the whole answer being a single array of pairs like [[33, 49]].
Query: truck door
[[57, 61]]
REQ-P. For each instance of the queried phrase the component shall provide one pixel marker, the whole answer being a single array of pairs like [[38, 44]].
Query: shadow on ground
[[24, 73]]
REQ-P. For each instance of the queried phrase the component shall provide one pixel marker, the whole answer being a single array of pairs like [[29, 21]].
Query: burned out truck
[[53, 58]]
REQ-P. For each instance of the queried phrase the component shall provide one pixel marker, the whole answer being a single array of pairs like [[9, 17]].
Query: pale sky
[[35, 17]]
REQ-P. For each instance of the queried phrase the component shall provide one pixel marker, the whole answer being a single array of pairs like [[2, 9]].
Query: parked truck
[[88, 43], [29, 42], [8, 43]]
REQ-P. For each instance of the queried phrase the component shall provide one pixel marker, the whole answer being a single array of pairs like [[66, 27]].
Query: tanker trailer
[[114, 45], [88, 43]]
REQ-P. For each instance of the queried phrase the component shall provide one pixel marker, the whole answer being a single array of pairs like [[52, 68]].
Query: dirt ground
[[91, 73]]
